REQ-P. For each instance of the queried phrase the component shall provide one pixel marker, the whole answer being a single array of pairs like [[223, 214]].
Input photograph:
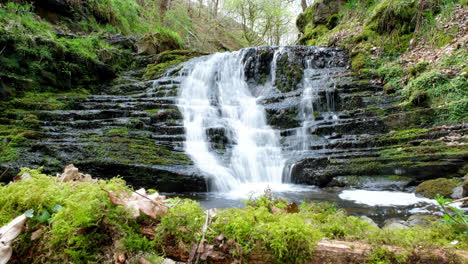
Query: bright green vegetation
[[35, 57], [377, 33], [441, 186], [81, 225], [79, 222]]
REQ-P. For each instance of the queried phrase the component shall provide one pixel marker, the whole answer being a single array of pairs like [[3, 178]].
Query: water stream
[[231, 143], [215, 95]]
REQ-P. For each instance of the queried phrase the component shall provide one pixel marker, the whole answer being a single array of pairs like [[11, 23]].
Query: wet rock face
[[138, 136], [347, 124], [332, 124], [290, 64]]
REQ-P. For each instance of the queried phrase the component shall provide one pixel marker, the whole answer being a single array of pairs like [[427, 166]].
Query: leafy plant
[[452, 215]]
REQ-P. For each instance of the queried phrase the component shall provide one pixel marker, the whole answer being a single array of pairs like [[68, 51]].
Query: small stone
[[168, 261], [457, 192]]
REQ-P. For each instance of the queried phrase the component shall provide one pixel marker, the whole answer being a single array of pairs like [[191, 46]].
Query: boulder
[[325, 8], [440, 186], [418, 220], [154, 43], [394, 224], [368, 220]]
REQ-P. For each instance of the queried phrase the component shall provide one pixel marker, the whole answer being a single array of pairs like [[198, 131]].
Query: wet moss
[[126, 148], [289, 74], [166, 60], [390, 15]]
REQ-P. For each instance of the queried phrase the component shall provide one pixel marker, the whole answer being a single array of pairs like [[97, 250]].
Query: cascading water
[[265, 117], [314, 81], [215, 94]]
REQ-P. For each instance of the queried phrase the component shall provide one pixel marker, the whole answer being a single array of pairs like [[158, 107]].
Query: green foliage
[[383, 255], [166, 60], [453, 216], [390, 15], [440, 186], [182, 224], [178, 19], [78, 218], [80, 225]]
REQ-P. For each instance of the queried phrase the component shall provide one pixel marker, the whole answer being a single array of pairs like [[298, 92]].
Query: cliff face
[[54, 54], [414, 53]]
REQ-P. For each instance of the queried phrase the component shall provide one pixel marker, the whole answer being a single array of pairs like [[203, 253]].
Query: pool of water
[[380, 205]]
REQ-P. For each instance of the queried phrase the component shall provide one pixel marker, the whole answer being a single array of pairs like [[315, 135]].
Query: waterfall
[[215, 96]]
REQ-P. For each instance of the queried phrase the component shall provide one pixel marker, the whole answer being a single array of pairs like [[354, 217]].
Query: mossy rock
[[154, 43], [168, 59], [288, 74], [440, 186], [390, 15]]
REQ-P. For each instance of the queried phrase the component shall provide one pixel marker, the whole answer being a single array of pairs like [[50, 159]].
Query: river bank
[[78, 223]]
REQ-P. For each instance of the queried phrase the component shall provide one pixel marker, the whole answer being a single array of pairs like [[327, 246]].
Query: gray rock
[[417, 220], [457, 192], [394, 225], [368, 220]]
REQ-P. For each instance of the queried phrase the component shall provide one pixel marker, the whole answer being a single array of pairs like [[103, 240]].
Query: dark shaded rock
[[161, 178], [311, 171], [123, 42], [323, 9]]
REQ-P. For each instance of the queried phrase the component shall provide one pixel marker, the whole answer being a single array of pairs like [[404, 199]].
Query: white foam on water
[[384, 198]]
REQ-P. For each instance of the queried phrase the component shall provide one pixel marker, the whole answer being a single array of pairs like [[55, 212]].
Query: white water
[[215, 95], [383, 198], [314, 81]]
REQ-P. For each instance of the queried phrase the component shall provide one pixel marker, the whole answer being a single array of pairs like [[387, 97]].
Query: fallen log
[[353, 252], [344, 252]]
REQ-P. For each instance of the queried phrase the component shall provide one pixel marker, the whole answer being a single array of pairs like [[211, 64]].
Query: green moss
[[81, 225], [304, 19], [358, 61], [390, 15], [61, 209], [441, 186], [315, 35], [365, 167], [166, 60], [291, 73], [132, 149], [115, 132], [187, 214]]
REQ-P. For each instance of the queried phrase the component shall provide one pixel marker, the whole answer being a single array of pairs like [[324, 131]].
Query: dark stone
[[311, 171]]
